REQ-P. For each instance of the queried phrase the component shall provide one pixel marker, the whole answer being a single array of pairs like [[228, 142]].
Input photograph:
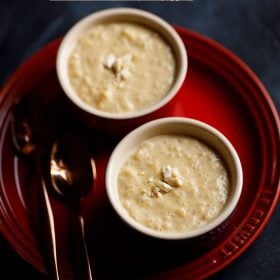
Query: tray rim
[[184, 32]]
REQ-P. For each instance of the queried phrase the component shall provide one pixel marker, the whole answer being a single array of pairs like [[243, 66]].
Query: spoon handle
[[48, 231], [81, 254]]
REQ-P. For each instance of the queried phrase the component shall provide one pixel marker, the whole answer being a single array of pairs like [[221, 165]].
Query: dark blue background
[[249, 28]]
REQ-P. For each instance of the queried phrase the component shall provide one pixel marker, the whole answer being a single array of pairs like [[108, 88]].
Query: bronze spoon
[[73, 175], [31, 133]]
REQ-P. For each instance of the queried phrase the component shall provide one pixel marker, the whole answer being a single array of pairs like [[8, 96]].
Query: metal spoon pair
[[72, 174]]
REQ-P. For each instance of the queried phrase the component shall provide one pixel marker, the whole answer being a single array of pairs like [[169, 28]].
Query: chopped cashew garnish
[[125, 74], [163, 186], [109, 61], [118, 65], [172, 176], [156, 191]]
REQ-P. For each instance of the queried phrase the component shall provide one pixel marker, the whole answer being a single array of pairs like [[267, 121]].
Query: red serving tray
[[219, 90]]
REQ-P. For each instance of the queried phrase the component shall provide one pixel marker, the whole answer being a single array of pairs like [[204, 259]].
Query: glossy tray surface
[[219, 90]]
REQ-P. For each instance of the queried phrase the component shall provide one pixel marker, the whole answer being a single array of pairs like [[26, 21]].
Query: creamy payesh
[[121, 67], [173, 183]]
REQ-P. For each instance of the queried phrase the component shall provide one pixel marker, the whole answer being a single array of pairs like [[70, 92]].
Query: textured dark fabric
[[249, 28]]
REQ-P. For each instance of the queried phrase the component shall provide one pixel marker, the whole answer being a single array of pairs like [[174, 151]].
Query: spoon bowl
[[72, 170], [31, 131]]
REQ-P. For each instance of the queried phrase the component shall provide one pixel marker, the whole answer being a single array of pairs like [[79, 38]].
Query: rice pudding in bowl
[[174, 178], [121, 64], [121, 67]]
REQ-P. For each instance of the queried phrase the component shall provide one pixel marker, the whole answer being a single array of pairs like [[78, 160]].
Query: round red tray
[[219, 90]]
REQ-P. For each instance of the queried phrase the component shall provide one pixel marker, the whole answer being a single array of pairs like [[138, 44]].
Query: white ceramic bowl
[[114, 15], [183, 126]]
